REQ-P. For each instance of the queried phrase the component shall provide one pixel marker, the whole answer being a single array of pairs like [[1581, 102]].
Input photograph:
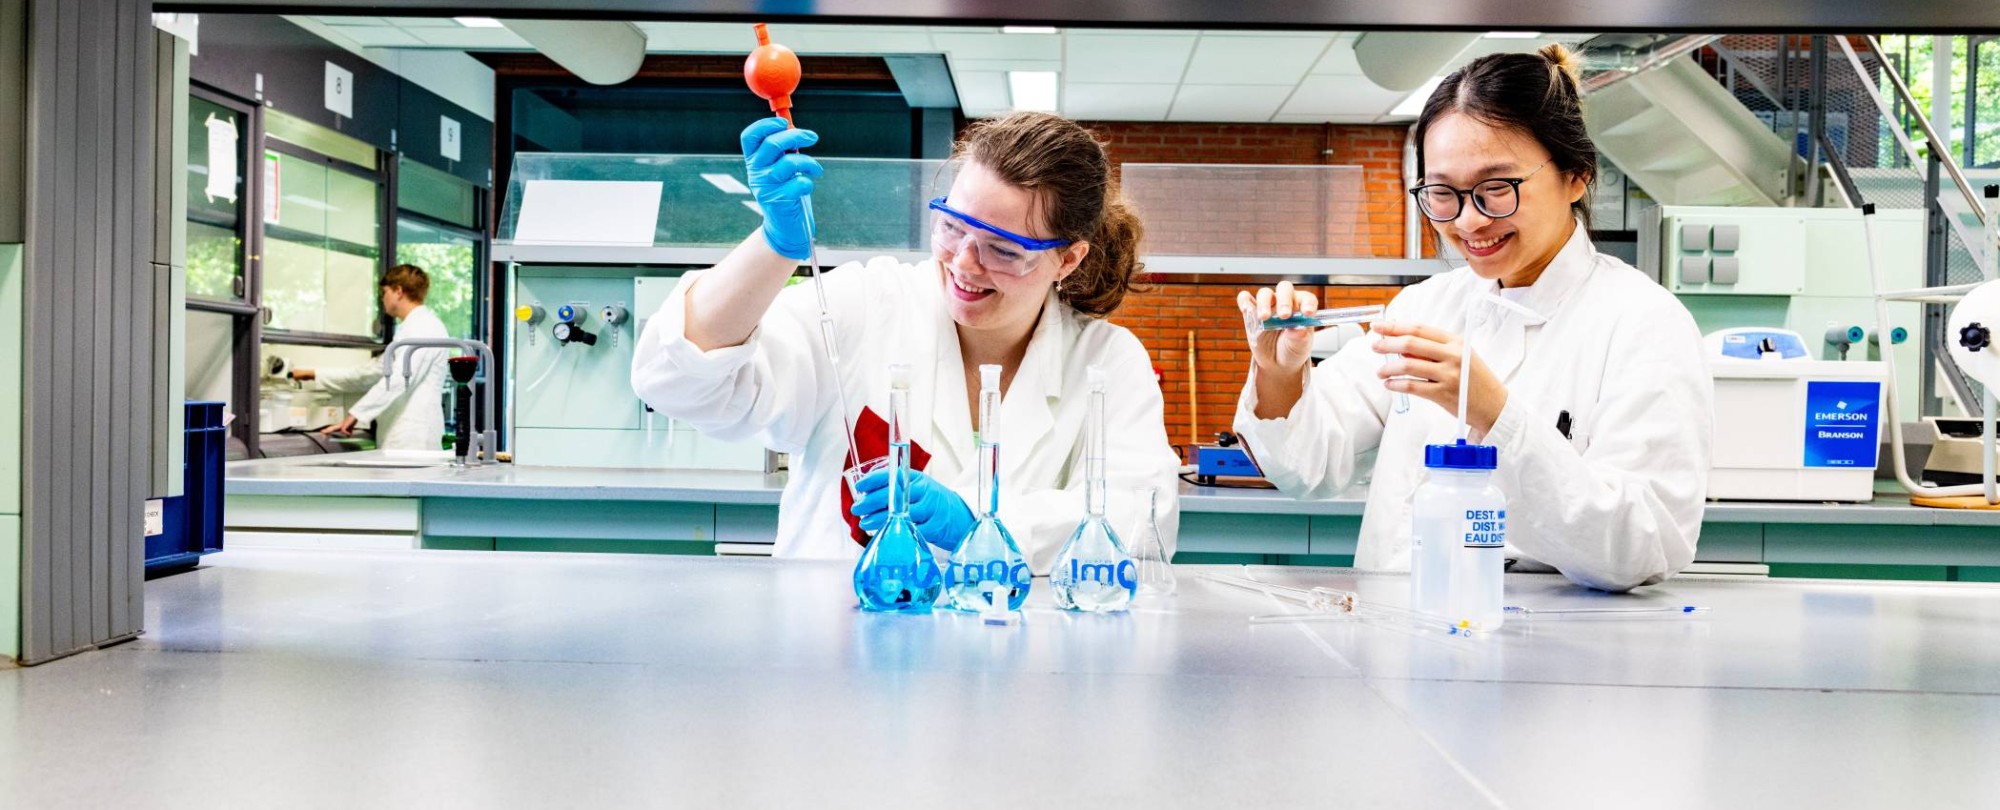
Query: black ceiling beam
[[1692, 16]]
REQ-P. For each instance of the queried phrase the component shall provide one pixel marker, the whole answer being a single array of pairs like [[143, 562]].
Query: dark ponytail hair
[[1066, 169], [1537, 93]]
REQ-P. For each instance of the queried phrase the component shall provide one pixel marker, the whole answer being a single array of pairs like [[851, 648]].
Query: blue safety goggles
[[1027, 243]]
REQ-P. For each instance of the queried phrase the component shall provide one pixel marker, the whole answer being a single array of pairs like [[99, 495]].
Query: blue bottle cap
[[1461, 456]]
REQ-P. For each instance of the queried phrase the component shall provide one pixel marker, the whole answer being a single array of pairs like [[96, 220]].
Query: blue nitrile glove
[[782, 182], [939, 514]]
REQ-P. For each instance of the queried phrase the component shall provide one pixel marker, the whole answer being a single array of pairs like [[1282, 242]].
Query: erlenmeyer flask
[[1149, 550]]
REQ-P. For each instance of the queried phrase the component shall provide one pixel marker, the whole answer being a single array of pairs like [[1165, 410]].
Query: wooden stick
[[1194, 434]]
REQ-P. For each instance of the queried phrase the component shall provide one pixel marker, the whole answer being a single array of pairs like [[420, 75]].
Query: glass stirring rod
[[1331, 604], [1664, 612]]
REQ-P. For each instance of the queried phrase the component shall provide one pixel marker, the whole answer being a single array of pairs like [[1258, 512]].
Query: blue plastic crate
[[202, 415], [192, 522]]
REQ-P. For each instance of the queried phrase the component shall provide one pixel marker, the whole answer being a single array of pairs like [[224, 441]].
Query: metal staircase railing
[[1961, 215], [1845, 117]]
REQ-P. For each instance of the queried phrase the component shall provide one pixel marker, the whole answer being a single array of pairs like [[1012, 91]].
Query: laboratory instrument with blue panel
[[1790, 427], [986, 573], [1799, 359], [1809, 322], [1226, 458]]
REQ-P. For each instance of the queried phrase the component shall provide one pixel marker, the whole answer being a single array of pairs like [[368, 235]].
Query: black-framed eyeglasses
[[1497, 197]]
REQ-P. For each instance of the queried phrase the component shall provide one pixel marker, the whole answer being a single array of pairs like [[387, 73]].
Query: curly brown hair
[[1066, 168]]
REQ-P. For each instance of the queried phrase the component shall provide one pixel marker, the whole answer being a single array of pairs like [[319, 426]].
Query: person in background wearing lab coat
[[1030, 249], [407, 416], [351, 381], [1591, 384]]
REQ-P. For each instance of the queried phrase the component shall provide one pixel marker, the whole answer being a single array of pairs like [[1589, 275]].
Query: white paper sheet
[[588, 212]]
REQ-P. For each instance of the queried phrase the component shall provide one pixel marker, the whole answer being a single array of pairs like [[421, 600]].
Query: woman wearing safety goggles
[[1031, 247]]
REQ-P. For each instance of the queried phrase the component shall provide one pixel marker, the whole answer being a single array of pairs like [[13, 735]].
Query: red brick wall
[[1163, 317], [1377, 149]]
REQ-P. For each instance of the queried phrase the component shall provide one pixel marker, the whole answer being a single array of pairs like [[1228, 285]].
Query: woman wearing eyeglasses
[[1586, 375], [1030, 249]]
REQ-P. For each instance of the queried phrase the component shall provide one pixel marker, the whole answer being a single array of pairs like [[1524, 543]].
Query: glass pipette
[[832, 346], [1661, 612], [1330, 604], [1368, 611], [1321, 600], [1327, 317], [1334, 317], [773, 72]]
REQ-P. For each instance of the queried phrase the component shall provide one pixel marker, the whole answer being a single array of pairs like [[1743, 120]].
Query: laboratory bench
[[314, 678], [358, 500]]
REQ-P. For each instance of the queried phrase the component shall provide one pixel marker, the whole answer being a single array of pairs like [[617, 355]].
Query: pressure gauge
[[567, 332]]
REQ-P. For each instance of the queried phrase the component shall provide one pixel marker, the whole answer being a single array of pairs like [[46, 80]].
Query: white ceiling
[[1106, 75]]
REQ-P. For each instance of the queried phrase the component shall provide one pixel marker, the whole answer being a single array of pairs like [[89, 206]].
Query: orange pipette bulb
[[772, 71]]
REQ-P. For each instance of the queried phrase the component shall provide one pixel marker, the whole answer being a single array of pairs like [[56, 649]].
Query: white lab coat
[[777, 389], [410, 416], [351, 380], [1617, 505]]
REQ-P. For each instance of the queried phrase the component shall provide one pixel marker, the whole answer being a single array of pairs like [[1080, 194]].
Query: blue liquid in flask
[[987, 566], [896, 573]]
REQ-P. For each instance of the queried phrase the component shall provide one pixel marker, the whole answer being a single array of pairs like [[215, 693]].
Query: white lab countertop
[[358, 678], [357, 474], [312, 475]]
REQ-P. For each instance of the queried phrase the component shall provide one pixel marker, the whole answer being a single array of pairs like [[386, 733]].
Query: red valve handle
[[772, 71]]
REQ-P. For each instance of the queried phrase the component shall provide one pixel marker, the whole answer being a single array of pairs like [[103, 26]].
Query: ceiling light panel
[[980, 92], [999, 46], [1230, 102], [1117, 102], [472, 39], [1340, 95], [1338, 60], [1413, 104], [1126, 59], [1253, 60], [1032, 90]]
